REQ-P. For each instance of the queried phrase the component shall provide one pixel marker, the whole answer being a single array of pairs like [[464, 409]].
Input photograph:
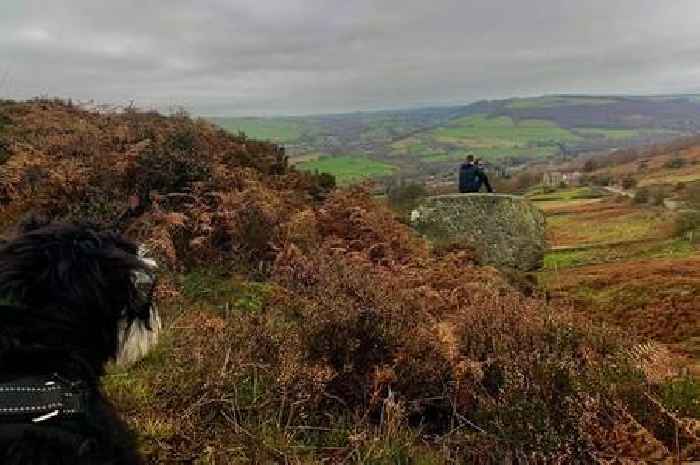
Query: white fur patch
[[136, 341]]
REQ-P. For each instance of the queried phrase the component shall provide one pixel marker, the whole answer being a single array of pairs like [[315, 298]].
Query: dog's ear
[[83, 276]]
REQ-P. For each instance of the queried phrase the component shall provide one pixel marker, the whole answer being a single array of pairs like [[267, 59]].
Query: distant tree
[[675, 163], [589, 166], [405, 197], [641, 196], [602, 180], [658, 196], [628, 182], [688, 225], [525, 180], [688, 222], [692, 196]]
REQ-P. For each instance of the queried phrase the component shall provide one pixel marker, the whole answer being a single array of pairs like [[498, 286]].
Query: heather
[[306, 324]]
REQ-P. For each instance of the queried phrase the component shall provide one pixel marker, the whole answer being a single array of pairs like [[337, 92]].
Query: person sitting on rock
[[472, 177]]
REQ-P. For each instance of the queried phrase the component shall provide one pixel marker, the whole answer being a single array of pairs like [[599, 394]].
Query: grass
[[614, 134], [218, 291], [348, 169], [278, 130], [611, 134], [502, 132], [648, 287], [486, 137], [670, 178], [612, 225], [682, 397], [666, 249], [493, 153], [579, 193]]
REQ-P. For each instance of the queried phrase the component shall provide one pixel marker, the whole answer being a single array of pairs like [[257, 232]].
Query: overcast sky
[[239, 57]]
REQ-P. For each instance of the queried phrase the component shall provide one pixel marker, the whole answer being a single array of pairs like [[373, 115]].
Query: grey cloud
[[305, 56]]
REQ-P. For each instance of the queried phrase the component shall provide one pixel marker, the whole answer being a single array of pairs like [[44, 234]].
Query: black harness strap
[[41, 398]]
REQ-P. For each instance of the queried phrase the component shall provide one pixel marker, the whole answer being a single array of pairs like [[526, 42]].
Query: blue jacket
[[471, 178]]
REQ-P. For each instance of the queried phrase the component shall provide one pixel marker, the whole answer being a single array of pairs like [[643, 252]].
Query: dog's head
[[72, 287]]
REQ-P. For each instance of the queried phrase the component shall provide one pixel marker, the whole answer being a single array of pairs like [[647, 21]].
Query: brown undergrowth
[[307, 325]]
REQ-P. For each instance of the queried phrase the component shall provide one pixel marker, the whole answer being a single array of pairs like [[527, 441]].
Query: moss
[[223, 293], [682, 396]]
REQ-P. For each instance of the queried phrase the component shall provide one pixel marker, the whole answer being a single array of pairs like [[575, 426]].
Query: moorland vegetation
[[306, 324]]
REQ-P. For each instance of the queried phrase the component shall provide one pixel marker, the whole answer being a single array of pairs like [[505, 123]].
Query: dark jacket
[[471, 178]]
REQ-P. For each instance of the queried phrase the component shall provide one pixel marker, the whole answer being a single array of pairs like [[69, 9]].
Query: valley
[[424, 144], [624, 264]]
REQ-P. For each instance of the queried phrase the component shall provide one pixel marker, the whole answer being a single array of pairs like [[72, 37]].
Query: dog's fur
[[68, 294]]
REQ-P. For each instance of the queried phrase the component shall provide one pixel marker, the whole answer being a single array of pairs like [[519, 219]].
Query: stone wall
[[505, 231]]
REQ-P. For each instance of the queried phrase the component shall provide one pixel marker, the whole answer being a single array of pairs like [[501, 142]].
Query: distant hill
[[428, 141]]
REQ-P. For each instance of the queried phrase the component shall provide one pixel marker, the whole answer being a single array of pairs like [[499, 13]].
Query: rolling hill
[[427, 142]]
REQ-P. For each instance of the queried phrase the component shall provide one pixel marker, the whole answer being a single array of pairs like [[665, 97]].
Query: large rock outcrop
[[506, 231]]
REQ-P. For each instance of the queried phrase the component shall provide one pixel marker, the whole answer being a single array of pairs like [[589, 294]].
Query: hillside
[[427, 142], [305, 324], [625, 247]]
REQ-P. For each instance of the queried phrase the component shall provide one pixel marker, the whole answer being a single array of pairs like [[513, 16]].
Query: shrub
[[602, 180], [641, 196], [172, 168], [692, 196], [688, 225], [628, 182], [658, 196], [405, 197], [682, 397], [675, 163], [525, 181]]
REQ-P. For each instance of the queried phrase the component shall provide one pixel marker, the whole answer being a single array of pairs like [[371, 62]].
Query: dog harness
[[42, 398]]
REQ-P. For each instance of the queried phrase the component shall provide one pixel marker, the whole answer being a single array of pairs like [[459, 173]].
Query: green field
[[622, 134], [503, 134], [486, 137], [666, 249], [492, 153], [565, 195], [611, 134], [348, 168], [279, 130], [483, 131]]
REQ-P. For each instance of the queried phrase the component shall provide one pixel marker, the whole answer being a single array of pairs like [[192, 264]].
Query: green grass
[[565, 195], [279, 130], [348, 169], [502, 133], [682, 396], [667, 249], [493, 153], [581, 229], [614, 134], [212, 289], [485, 137], [611, 134]]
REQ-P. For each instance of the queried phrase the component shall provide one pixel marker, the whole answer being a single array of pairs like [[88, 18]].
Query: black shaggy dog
[[67, 294]]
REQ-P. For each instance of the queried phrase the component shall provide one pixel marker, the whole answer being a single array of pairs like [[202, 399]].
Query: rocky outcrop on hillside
[[505, 231]]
